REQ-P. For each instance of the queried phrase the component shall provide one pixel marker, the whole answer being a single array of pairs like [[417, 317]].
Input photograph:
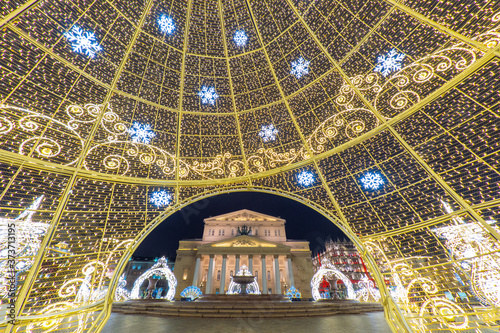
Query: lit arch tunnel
[[382, 114]]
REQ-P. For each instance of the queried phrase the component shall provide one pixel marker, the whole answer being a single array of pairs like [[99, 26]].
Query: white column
[[277, 280], [196, 272], [250, 263], [290, 272], [208, 290], [264, 275], [237, 268], [223, 275]]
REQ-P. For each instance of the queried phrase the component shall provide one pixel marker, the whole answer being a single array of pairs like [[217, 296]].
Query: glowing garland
[[28, 238], [122, 294], [161, 269]]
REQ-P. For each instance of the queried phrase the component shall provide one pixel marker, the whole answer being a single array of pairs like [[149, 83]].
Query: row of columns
[[237, 267]]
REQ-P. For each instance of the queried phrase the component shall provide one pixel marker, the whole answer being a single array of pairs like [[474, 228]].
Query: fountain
[[243, 277]]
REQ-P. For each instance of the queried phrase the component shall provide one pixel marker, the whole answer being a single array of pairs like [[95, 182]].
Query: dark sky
[[302, 222]]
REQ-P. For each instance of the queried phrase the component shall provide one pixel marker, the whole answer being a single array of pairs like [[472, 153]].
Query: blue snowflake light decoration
[[161, 198], [372, 181], [293, 293], [268, 133], [300, 67], [141, 133], [208, 95], [305, 178], [167, 25], [389, 63], [191, 292], [240, 38], [83, 41]]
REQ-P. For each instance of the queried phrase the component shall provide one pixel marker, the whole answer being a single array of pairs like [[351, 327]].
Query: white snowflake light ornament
[[83, 41], [208, 95], [372, 181], [240, 38], [167, 25], [161, 198], [389, 63], [268, 133], [141, 133], [305, 178], [300, 67]]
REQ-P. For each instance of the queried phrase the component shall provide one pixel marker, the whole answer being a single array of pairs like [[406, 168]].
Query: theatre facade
[[248, 238]]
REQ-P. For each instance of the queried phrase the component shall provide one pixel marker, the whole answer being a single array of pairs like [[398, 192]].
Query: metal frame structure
[[431, 129]]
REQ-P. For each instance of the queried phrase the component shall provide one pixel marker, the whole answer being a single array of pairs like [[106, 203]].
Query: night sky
[[302, 222]]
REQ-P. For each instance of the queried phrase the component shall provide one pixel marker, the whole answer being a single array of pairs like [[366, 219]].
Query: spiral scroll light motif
[[80, 291]]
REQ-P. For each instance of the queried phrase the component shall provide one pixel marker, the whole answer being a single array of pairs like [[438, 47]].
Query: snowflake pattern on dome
[[240, 38], [300, 67], [166, 24], [389, 63], [83, 41], [208, 95], [305, 178], [141, 133], [161, 198], [372, 180], [268, 133]]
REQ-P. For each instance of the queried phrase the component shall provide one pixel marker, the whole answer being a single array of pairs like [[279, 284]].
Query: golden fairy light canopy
[[217, 89]]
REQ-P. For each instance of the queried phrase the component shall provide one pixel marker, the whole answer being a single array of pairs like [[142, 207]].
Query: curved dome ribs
[[95, 152]]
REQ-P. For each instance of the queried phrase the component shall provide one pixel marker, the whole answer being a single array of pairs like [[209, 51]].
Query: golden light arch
[[430, 129], [393, 313]]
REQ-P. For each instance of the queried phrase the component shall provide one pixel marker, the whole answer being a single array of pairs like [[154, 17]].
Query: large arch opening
[[393, 313]]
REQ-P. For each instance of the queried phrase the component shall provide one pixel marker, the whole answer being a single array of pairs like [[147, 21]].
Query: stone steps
[[238, 310]]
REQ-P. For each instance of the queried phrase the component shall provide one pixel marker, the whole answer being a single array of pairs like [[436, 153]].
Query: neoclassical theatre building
[[246, 238]]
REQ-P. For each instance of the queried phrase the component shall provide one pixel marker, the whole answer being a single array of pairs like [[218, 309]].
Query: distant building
[[242, 238], [344, 255], [136, 266]]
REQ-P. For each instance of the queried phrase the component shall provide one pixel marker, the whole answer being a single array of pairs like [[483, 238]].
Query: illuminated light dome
[[428, 121]]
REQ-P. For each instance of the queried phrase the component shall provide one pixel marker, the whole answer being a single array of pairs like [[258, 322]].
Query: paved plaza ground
[[373, 322]]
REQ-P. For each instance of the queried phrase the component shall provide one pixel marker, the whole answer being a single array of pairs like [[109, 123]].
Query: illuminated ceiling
[[382, 114]]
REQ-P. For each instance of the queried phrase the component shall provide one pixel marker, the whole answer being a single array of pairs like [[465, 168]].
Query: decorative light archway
[[161, 269], [327, 269]]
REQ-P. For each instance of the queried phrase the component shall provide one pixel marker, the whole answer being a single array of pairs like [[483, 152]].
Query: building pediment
[[244, 242], [244, 215]]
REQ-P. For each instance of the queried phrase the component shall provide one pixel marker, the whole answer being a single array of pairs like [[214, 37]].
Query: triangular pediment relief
[[244, 241], [244, 215]]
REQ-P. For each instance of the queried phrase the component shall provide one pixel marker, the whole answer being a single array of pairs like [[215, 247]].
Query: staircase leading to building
[[235, 309]]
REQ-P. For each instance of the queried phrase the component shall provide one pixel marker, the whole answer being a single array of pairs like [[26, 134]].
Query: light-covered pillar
[[223, 275], [264, 276], [290, 271], [277, 280], [250, 263], [208, 289], [196, 272], [237, 268]]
